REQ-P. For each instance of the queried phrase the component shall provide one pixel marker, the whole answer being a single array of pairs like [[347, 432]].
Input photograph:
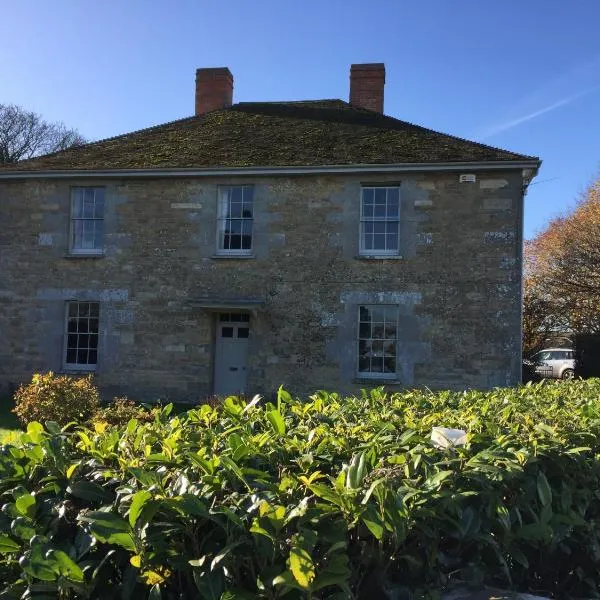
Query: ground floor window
[[81, 335], [377, 341]]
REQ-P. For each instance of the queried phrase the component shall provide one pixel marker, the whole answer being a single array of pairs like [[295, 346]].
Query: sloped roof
[[272, 134]]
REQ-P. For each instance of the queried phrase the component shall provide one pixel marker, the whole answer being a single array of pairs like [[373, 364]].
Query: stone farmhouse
[[314, 244]]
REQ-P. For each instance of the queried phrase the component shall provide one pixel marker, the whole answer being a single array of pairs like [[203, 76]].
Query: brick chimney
[[214, 89], [366, 86]]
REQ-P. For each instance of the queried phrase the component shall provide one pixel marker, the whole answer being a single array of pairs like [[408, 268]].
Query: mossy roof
[[272, 134]]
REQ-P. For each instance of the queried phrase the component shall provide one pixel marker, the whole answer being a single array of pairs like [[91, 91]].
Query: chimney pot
[[214, 89], [366, 86]]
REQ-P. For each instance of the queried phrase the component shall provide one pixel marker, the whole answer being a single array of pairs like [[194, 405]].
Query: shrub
[[325, 498], [121, 410], [58, 398]]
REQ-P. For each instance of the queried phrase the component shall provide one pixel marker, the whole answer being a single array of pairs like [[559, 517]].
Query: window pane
[[392, 241], [379, 242], [377, 331], [389, 364], [247, 234], [390, 331], [368, 195], [82, 356], [364, 365], [380, 195], [364, 313], [72, 341], [98, 234], [364, 330], [88, 235], [377, 365], [364, 348], [99, 204], [224, 317], [227, 332], [71, 355], [93, 357], [379, 227], [380, 211], [236, 194], [377, 348], [94, 309], [235, 210], [93, 342], [243, 332], [77, 234]]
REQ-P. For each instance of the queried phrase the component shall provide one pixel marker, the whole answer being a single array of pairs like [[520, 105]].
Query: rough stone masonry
[[456, 282]]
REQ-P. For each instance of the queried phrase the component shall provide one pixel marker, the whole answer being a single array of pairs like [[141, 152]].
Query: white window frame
[[223, 216], [79, 366], [378, 375], [363, 251], [95, 219]]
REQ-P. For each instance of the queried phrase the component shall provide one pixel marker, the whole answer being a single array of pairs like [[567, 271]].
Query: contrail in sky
[[514, 122]]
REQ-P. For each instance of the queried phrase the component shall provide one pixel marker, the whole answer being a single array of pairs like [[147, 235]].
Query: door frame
[[238, 319]]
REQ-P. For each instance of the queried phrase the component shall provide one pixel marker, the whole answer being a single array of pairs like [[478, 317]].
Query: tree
[[25, 134], [562, 273]]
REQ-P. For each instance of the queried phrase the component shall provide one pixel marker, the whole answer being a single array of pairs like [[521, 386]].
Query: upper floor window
[[87, 220], [380, 221], [377, 341], [81, 335], [234, 220]]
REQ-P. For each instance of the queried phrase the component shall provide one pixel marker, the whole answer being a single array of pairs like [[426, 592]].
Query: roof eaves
[[276, 170]]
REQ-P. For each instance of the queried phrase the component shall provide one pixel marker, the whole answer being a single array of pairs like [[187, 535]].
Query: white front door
[[231, 353]]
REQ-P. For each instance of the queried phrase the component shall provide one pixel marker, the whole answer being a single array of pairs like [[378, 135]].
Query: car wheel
[[568, 374]]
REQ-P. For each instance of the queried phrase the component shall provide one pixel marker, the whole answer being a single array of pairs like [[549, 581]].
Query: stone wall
[[457, 283]]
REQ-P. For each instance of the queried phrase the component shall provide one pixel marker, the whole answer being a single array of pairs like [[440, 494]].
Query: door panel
[[231, 355]]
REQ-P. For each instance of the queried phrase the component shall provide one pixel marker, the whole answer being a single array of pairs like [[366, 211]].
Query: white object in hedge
[[443, 437]]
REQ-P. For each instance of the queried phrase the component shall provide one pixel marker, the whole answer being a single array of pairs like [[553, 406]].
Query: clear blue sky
[[519, 74]]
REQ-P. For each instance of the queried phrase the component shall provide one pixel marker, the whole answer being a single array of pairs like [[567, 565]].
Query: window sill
[[71, 371], [378, 257], [235, 256], [83, 255], [376, 381]]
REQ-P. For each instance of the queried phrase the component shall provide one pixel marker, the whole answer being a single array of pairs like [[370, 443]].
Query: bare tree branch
[[24, 134]]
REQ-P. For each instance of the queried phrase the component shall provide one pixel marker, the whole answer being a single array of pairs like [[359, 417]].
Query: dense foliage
[[327, 498], [561, 283], [121, 410], [59, 398]]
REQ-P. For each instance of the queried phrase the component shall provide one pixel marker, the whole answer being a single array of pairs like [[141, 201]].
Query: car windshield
[[543, 355]]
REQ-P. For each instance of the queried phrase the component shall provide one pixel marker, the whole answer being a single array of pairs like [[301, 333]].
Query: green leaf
[[8, 545], [231, 466], [21, 527], [35, 431], [138, 501], [356, 471], [224, 552], [438, 478], [302, 567], [53, 427], [68, 568], [87, 490], [110, 528], [373, 522], [543, 489], [25, 504], [277, 422], [35, 563]]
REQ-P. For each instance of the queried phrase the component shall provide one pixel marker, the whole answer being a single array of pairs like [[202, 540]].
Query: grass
[[9, 424]]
